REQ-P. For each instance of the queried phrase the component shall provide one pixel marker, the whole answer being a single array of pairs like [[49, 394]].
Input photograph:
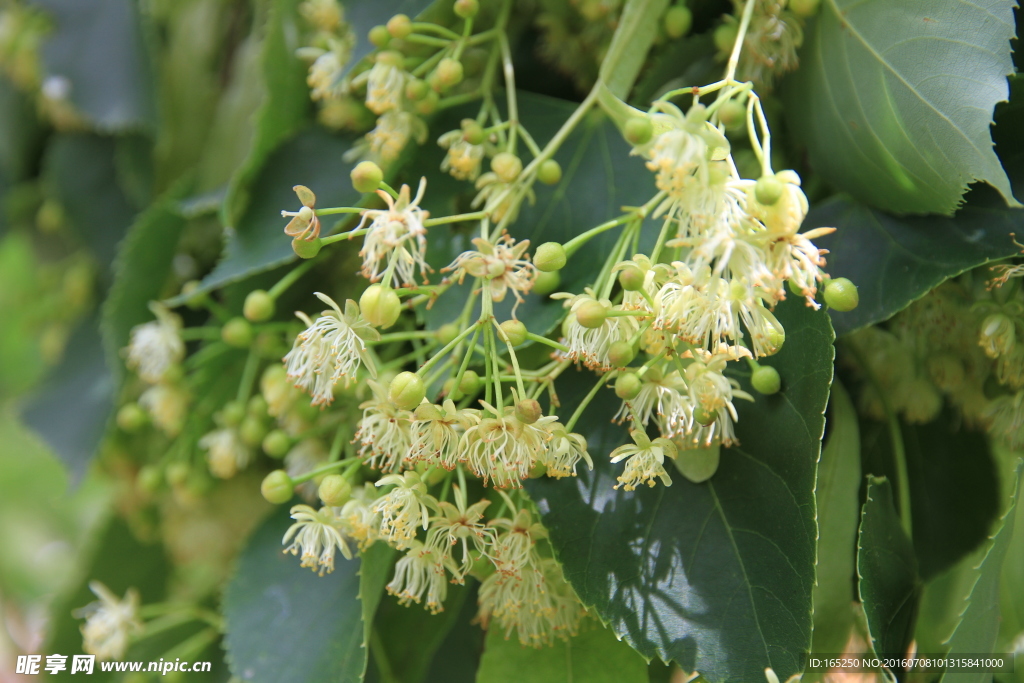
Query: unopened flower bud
[[380, 305], [473, 132], [765, 380], [725, 36], [470, 383], [259, 305], [528, 411], [628, 386], [194, 299], [277, 443], [549, 172], [631, 278], [998, 334], [466, 9], [366, 176], [131, 418], [841, 294], [177, 473], [514, 331], [416, 89], [232, 414], [733, 115], [768, 190], [428, 104], [678, 20], [237, 332], [621, 354], [335, 490], [251, 431], [379, 36], [407, 390], [804, 8], [277, 487], [306, 249], [257, 406], [549, 256], [591, 314], [391, 58], [449, 73], [546, 283], [149, 479], [507, 166], [447, 333], [399, 26], [638, 130]]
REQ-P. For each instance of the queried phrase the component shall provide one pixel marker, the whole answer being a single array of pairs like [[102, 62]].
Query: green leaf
[[80, 171], [374, 572], [98, 54], [284, 623], [894, 99], [20, 134], [716, 576], [362, 15], [284, 108], [594, 656], [887, 571], [979, 622], [458, 657], [143, 264], [598, 178], [257, 242], [105, 561], [836, 495], [637, 28]]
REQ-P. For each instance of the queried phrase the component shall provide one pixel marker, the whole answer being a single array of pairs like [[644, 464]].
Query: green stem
[[289, 279], [734, 57], [193, 333], [458, 218], [434, 28], [547, 342], [444, 351], [584, 403], [579, 240], [252, 363]]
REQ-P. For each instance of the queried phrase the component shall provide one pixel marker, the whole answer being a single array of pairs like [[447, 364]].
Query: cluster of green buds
[[774, 35]]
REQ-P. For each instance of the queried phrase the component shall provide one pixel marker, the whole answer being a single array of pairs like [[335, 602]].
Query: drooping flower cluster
[[110, 622]]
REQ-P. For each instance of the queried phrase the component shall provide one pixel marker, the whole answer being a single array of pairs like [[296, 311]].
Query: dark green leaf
[[888, 583], [594, 656], [1011, 587], [147, 572], [374, 572], [143, 263], [836, 496], [80, 171], [70, 411], [457, 659], [979, 622], [362, 15], [257, 242], [20, 133], [894, 99], [284, 623], [97, 53], [635, 33], [681, 63], [717, 576]]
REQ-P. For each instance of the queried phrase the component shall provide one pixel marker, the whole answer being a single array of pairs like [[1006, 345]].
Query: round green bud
[[765, 380], [733, 115], [380, 305], [678, 20], [399, 26], [466, 9], [416, 89], [470, 383], [703, 416], [545, 283], [628, 386], [194, 299], [428, 104], [638, 130], [841, 294], [335, 490], [252, 431], [449, 73], [804, 8], [237, 332], [473, 132], [631, 278], [407, 390], [277, 487], [277, 443], [447, 333], [591, 314], [549, 256], [390, 57], [725, 36], [538, 470], [367, 176], [621, 354], [257, 406], [149, 479], [379, 36], [131, 418], [699, 464], [232, 414], [259, 306], [507, 166], [514, 331], [528, 411], [177, 473], [306, 249], [768, 190], [549, 172]]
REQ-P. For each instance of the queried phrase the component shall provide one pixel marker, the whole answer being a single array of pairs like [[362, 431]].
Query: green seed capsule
[[621, 354], [514, 331], [528, 411], [628, 386], [549, 256], [131, 418], [277, 487], [380, 306], [466, 9], [366, 176], [379, 36], [631, 278], [407, 390], [678, 20], [549, 172], [841, 294], [277, 443], [399, 26], [306, 249], [546, 283], [335, 490], [237, 332], [765, 380], [259, 306], [591, 314]]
